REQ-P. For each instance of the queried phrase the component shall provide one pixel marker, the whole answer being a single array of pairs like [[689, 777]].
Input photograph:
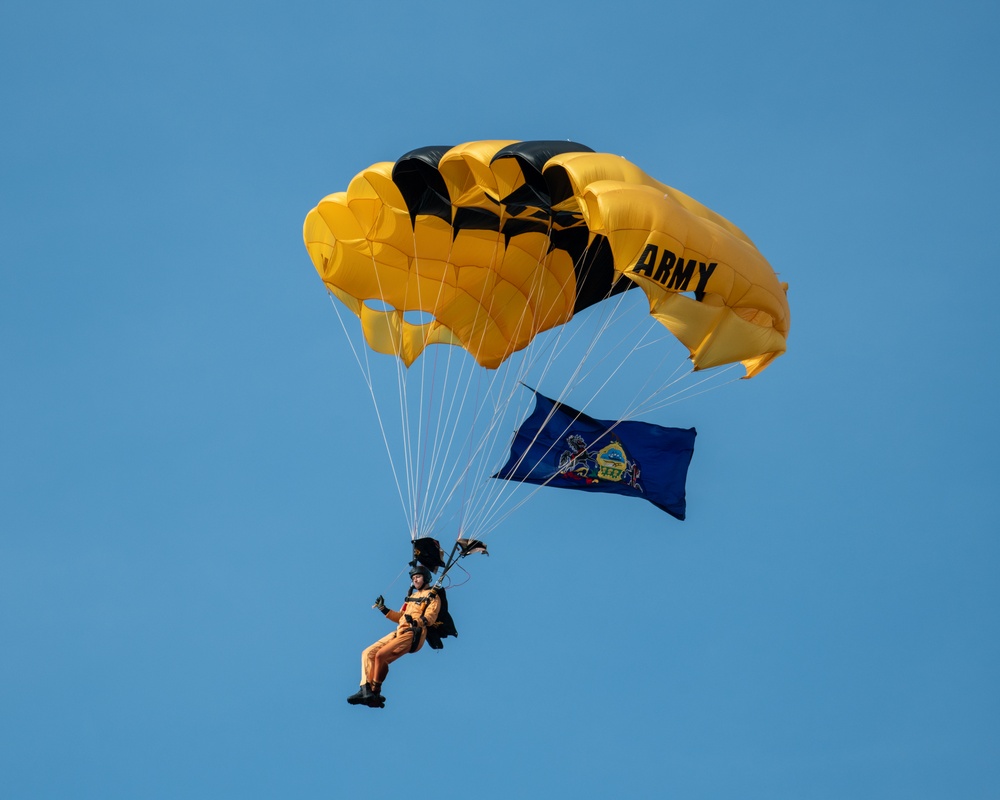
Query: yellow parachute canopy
[[487, 244]]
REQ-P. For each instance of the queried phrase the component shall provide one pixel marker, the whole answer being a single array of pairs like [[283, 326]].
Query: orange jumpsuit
[[418, 612]]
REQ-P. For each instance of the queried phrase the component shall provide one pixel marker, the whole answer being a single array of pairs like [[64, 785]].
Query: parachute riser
[[454, 557], [461, 549]]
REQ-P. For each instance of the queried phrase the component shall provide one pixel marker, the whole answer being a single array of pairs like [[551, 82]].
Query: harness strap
[[421, 600]]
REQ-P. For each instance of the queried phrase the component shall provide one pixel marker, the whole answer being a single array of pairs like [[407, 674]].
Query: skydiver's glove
[[380, 604]]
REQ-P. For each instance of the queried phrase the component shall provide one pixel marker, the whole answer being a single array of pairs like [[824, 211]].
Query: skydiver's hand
[[380, 604]]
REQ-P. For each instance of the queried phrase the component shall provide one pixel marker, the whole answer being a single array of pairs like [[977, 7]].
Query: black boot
[[375, 699], [360, 697]]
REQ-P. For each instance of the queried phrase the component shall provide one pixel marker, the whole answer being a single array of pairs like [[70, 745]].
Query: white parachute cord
[[615, 371], [508, 487], [476, 463], [496, 492], [492, 523], [426, 473], [404, 417], [490, 513], [447, 438], [482, 485], [615, 352], [492, 493], [487, 439], [575, 379], [367, 375], [456, 414], [407, 442], [686, 392], [441, 446], [439, 433], [475, 444], [479, 444], [451, 442], [486, 458]]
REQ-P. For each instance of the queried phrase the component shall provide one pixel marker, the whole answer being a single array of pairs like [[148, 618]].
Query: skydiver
[[419, 611]]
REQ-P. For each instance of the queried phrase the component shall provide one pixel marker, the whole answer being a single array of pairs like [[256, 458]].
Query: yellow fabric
[[492, 293]]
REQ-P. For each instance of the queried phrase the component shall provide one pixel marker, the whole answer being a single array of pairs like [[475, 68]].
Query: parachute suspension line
[[450, 443], [491, 522], [441, 425], [446, 448], [410, 506], [406, 440], [367, 375], [640, 344], [464, 443], [422, 480], [577, 378], [393, 582], [496, 493], [429, 496], [454, 557], [448, 429], [494, 524], [640, 399], [404, 415], [426, 434], [488, 492], [423, 471], [476, 458], [476, 445], [614, 372], [444, 430], [465, 496], [674, 398], [444, 434], [687, 393], [467, 463], [485, 458]]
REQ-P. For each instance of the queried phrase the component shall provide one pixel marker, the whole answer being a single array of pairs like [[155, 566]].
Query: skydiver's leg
[[368, 656], [381, 659]]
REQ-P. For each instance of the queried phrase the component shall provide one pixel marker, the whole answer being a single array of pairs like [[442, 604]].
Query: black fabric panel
[[527, 209], [478, 219], [595, 277], [594, 267], [515, 227], [536, 153], [531, 157], [560, 186], [421, 184]]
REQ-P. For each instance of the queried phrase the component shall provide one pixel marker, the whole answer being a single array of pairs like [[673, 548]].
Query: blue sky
[[187, 559]]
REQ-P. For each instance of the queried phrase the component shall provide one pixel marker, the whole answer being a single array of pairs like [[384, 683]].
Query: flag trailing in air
[[560, 446]]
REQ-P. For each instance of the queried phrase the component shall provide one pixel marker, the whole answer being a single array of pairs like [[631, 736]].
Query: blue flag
[[560, 446]]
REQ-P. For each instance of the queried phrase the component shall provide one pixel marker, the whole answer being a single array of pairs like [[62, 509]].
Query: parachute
[[493, 249]]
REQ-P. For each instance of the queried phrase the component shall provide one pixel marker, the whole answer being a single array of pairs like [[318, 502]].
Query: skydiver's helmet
[[420, 569]]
